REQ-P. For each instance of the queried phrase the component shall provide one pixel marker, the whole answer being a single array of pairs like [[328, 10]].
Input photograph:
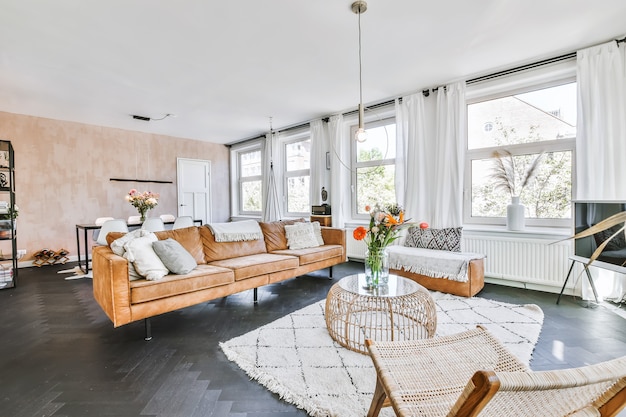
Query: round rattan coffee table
[[400, 310]]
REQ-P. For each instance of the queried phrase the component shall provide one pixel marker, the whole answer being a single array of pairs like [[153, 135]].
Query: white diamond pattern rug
[[295, 357]]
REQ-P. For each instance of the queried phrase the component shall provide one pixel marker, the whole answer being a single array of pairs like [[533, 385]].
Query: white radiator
[[524, 258]]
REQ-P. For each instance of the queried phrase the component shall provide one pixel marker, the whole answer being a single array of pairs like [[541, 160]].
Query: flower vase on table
[[384, 227], [376, 267], [142, 201]]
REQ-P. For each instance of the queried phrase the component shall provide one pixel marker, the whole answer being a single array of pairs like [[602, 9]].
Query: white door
[[194, 189]]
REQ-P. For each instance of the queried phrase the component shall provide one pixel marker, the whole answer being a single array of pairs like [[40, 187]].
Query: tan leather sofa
[[224, 268]]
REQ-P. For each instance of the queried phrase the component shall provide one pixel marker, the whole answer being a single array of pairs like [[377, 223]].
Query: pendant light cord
[[360, 65]]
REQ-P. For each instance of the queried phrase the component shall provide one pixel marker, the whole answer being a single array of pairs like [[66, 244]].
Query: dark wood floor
[[60, 356]]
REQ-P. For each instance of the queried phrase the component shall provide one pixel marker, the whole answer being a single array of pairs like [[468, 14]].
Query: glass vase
[[142, 214], [376, 267]]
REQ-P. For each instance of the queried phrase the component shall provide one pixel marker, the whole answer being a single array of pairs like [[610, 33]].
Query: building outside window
[[374, 174], [249, 180], [533, 123]]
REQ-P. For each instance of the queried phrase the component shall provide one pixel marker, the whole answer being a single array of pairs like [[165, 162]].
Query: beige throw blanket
[[432, 263], [236, 231]]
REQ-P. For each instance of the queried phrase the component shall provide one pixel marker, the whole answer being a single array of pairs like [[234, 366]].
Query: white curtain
[[319, 173], [340, 193], [449, 157], [431, 146], [601, 136], [270, 184], [601, 141], [412, 162]]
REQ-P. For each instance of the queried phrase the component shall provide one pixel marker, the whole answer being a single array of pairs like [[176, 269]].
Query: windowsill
[[530, 232], [497, 230]]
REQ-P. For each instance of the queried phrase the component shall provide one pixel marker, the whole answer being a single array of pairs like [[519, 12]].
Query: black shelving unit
[[8, 221]]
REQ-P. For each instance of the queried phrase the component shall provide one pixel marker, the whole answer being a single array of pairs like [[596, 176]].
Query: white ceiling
[[224, 67]]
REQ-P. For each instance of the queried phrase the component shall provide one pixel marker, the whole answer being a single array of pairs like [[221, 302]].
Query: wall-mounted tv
[[589, 213]]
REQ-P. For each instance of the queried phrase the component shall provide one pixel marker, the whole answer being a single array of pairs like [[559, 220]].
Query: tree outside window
[[537, 123]]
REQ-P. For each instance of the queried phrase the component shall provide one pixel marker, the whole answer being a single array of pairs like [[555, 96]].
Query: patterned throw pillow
[[441, 239], [617, 243]]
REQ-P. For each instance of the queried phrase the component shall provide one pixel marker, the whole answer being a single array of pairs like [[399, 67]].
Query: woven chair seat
[[472, 373]]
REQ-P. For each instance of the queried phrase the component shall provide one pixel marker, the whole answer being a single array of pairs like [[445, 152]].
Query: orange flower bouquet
[[384, 228]]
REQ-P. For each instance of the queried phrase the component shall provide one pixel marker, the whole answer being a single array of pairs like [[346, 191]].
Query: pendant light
[[360, 7]]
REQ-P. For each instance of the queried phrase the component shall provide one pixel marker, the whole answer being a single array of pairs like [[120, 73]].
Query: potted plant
[[511, 178]]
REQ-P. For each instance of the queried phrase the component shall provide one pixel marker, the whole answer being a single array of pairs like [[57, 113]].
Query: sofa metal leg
[[148, 327], [330, 272], [256, 294]]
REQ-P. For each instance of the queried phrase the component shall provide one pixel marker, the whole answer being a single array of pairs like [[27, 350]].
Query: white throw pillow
[[147, 263], [317, 230], [117, 246], [300, 236]]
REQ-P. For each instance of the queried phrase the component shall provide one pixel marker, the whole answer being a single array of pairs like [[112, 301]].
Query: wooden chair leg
[[377, 400]]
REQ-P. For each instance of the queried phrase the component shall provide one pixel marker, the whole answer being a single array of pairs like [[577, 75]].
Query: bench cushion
[[432, 263]]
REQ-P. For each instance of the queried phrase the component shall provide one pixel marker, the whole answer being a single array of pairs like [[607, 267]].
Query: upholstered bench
[[433, 258]]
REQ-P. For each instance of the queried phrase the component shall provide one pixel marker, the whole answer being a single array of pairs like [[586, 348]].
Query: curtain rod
[[426, 91], [522, 68]]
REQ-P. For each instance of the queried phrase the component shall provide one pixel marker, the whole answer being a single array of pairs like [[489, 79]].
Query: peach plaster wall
[[63, 172]]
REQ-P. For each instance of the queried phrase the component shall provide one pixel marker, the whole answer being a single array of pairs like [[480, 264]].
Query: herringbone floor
[[60, 356]]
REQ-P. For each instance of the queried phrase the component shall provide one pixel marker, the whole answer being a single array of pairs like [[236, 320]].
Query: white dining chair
[[153, 224], [99, 222], [167, 217], [182, 222], [115, 225], [134, 219]]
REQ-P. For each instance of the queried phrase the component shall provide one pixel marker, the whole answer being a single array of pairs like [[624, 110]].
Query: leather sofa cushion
[[217, 251], [311, 255], [204, 276], [255, 265], [274, 234]]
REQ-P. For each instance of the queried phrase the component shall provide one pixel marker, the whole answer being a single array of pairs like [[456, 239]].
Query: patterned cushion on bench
[[448, 239]]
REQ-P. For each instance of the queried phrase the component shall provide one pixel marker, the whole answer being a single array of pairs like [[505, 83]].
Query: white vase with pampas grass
[[507, 178]]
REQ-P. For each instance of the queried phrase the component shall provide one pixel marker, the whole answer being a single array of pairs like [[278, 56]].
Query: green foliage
[[547, 196]]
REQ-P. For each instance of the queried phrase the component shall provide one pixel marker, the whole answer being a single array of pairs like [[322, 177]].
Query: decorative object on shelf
[[4, 182], [384, 228], [324, 195], [4, 159], [512, 179], [142, 201], [51, 257]]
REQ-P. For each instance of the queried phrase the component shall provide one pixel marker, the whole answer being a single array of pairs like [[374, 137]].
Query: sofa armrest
[[335, 236], [111, 286]]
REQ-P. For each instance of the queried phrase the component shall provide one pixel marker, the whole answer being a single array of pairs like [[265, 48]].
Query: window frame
[[387, 119], [290, 138], [521, 83], [238, 178]]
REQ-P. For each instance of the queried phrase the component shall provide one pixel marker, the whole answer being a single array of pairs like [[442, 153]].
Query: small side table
[[401, 310], [324, 219]]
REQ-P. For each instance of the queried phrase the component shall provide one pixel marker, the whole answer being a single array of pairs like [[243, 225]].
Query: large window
[[374, 173], [249, 180], [532, 131], [297, 157]]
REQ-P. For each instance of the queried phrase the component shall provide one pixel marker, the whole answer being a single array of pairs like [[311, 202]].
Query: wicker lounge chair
[[429, 377]]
